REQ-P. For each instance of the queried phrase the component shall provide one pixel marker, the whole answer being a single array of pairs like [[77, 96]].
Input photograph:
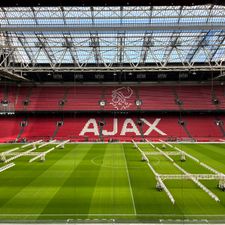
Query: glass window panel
[[220, 53], [109, 54], [217, 19], [66, 57], [131, 56], [200, 56]]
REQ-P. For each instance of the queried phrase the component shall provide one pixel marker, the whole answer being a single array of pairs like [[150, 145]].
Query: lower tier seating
[[39, 128], [10, 128], [114, 128]]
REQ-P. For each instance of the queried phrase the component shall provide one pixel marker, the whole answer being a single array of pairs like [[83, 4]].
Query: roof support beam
[[120, 47], [219, 42], [6, 54], [112, 27], [92, 15], [194, 50], [169, 49], [34, 14], [63, 15], [48, 51], [94, 43], [147, 43], [71, 48], [118, 68], [23, 42], [11, 75]]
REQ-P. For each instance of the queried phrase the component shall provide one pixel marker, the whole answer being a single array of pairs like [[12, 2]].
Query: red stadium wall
[[87, 128], [117, 98], [10, 128]]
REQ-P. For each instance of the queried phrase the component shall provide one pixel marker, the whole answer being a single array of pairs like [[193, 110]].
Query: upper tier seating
[[220, 94], [195, 97], [158, 98], [87, 98], [83, 98]]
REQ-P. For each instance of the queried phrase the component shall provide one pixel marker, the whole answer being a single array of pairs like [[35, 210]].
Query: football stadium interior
[[112, 111]]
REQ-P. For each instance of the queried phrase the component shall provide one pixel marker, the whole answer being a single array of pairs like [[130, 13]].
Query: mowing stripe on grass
[[75, 195], [111, 194], [212, 155], [111, 214], [147, 198], [21, 176], [50, 192], [128, 177], [44, 187]]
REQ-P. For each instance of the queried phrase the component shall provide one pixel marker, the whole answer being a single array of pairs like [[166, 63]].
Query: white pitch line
[[128, 177]]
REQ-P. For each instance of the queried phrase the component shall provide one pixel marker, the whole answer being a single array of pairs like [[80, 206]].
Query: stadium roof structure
[[112, 38], [26, 3]]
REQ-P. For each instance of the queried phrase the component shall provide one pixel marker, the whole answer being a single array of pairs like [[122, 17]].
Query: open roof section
[[131, 38], [112, 38]]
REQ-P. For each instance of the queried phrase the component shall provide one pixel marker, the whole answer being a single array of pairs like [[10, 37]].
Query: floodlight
[[102, 103], [138, 102]]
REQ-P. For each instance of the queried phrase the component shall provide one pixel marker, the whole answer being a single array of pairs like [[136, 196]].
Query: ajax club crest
[[120, 97]]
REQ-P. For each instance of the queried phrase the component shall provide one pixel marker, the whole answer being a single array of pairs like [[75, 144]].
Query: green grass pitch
[[104, 182]]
